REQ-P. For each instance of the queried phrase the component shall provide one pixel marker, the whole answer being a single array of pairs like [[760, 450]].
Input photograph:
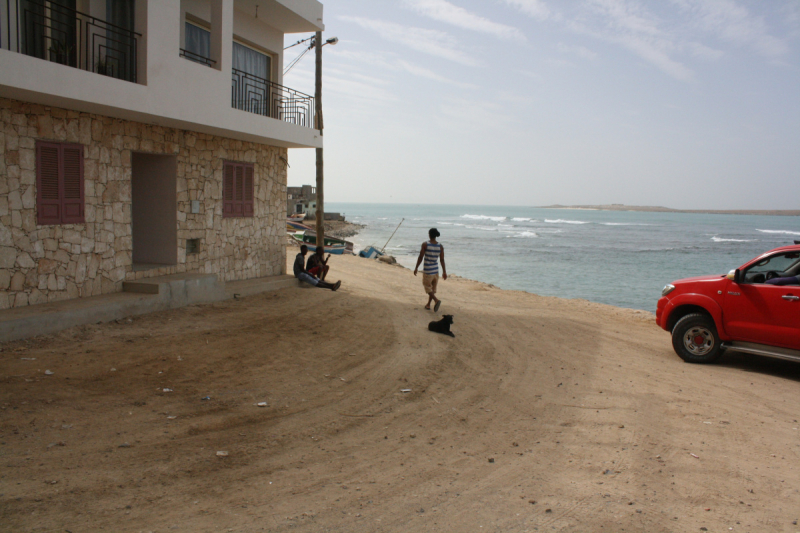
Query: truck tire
[[695, 339]]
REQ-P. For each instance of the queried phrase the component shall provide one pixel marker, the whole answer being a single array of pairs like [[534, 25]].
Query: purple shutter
[[227, 189], [248, 191], [239, 191], [72, 179], [48, 193]]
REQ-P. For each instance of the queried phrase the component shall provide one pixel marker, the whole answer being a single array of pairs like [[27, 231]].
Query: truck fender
[[698, 300]]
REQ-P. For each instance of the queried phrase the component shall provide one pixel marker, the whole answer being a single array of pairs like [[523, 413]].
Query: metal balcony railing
[[197, 58], [258, 95], [53, 32]]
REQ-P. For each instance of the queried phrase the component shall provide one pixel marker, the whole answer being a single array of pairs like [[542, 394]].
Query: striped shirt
[[432, 253]]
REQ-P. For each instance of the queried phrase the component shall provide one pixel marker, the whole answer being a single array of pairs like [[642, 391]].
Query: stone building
[[140, 138]]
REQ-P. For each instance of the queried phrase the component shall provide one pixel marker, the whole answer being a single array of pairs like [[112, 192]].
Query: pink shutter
[[48, 191], [248, 190], [227, 189], [72, 178]]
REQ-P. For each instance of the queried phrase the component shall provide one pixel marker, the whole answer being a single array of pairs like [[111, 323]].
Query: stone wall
[[47, 263]]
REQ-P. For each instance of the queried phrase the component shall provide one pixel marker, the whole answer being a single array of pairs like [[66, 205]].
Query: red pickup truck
[[754, 309]]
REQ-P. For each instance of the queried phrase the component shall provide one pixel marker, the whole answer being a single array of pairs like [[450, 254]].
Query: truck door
[[766, 314]]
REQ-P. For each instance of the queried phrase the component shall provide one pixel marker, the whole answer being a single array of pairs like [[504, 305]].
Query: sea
[[621, 258]]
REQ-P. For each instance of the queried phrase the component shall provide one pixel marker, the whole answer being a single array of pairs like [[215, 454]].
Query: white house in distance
[[140, 138]]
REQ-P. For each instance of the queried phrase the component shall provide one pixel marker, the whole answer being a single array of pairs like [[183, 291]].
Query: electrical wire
[[298, 58], [299, 42]]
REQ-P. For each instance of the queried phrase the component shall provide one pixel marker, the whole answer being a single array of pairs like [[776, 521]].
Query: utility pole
[[320, 176]]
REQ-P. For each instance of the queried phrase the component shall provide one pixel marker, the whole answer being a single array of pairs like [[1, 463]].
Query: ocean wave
[[505, 225], [526, 235], [482, 228], [484, 217], [562, 221], [781, 231], [522, 219], [623, 224], [720, 239]]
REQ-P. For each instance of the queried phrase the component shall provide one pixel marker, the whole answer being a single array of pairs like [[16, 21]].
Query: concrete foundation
[[140, 297]]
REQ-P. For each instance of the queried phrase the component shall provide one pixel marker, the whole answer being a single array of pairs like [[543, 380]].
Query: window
[[192, 246], [237, 189], [251, 61], [198, 43], [59, 183], [117, 55], [252, 90]]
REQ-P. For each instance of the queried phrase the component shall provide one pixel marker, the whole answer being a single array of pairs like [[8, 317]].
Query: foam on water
[[779, 231], [613, 257], [720, 239], [484, 217], [562, 221]]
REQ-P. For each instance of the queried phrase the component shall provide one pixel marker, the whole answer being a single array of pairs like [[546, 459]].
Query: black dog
[[442, 326]]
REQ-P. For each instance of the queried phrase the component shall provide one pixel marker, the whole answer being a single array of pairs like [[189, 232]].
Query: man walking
[[302, 274], [432, 252]]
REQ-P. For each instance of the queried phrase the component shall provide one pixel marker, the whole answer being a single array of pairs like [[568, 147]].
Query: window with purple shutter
[[59, 183], [238, 187]]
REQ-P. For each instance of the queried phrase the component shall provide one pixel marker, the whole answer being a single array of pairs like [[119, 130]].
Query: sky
[[688, 104]]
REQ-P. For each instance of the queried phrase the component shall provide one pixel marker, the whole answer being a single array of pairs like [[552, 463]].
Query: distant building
[[301, 200], [141, 138]]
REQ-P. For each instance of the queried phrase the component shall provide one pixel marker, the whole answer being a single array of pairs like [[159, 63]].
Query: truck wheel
[[695, 339]]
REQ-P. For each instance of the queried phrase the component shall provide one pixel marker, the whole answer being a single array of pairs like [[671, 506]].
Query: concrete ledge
[[140, 297], [43, 319], [180, 290], [249, 287]]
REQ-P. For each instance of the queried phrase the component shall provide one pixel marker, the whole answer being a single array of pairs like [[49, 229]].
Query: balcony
[[263, 97], [52, 31]]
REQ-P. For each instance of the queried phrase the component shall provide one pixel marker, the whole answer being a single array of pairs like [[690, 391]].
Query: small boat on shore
[[335, 248], [294, 225], [370, 252]]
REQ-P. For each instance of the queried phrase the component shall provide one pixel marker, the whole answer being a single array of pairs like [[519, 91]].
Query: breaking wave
[[562, 221], [781, 231], [720, 239], [484, 217]]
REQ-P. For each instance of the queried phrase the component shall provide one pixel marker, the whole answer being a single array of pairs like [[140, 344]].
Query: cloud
[[444, 11], [431, 42], [418, 71], [731, 22], [628, 24], [577, 50], [481, 114], [534, 8]]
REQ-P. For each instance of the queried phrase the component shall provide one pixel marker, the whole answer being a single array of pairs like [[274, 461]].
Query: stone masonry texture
[[47, 263]]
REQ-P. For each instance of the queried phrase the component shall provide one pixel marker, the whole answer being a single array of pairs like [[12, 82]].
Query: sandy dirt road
[[540, 415]]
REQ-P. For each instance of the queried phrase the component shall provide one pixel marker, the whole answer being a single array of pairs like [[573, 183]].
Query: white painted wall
[[173, 91]]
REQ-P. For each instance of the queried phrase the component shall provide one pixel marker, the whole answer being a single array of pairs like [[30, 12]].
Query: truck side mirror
[[737, 276]]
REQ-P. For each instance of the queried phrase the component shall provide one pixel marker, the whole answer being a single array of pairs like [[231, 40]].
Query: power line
[[298, 58]]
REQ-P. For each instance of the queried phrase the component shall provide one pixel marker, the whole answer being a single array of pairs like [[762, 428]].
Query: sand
[[542, 414]]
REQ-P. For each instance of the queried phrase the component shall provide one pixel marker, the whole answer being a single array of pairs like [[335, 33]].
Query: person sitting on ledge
[[302, 274], [317, 264]]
